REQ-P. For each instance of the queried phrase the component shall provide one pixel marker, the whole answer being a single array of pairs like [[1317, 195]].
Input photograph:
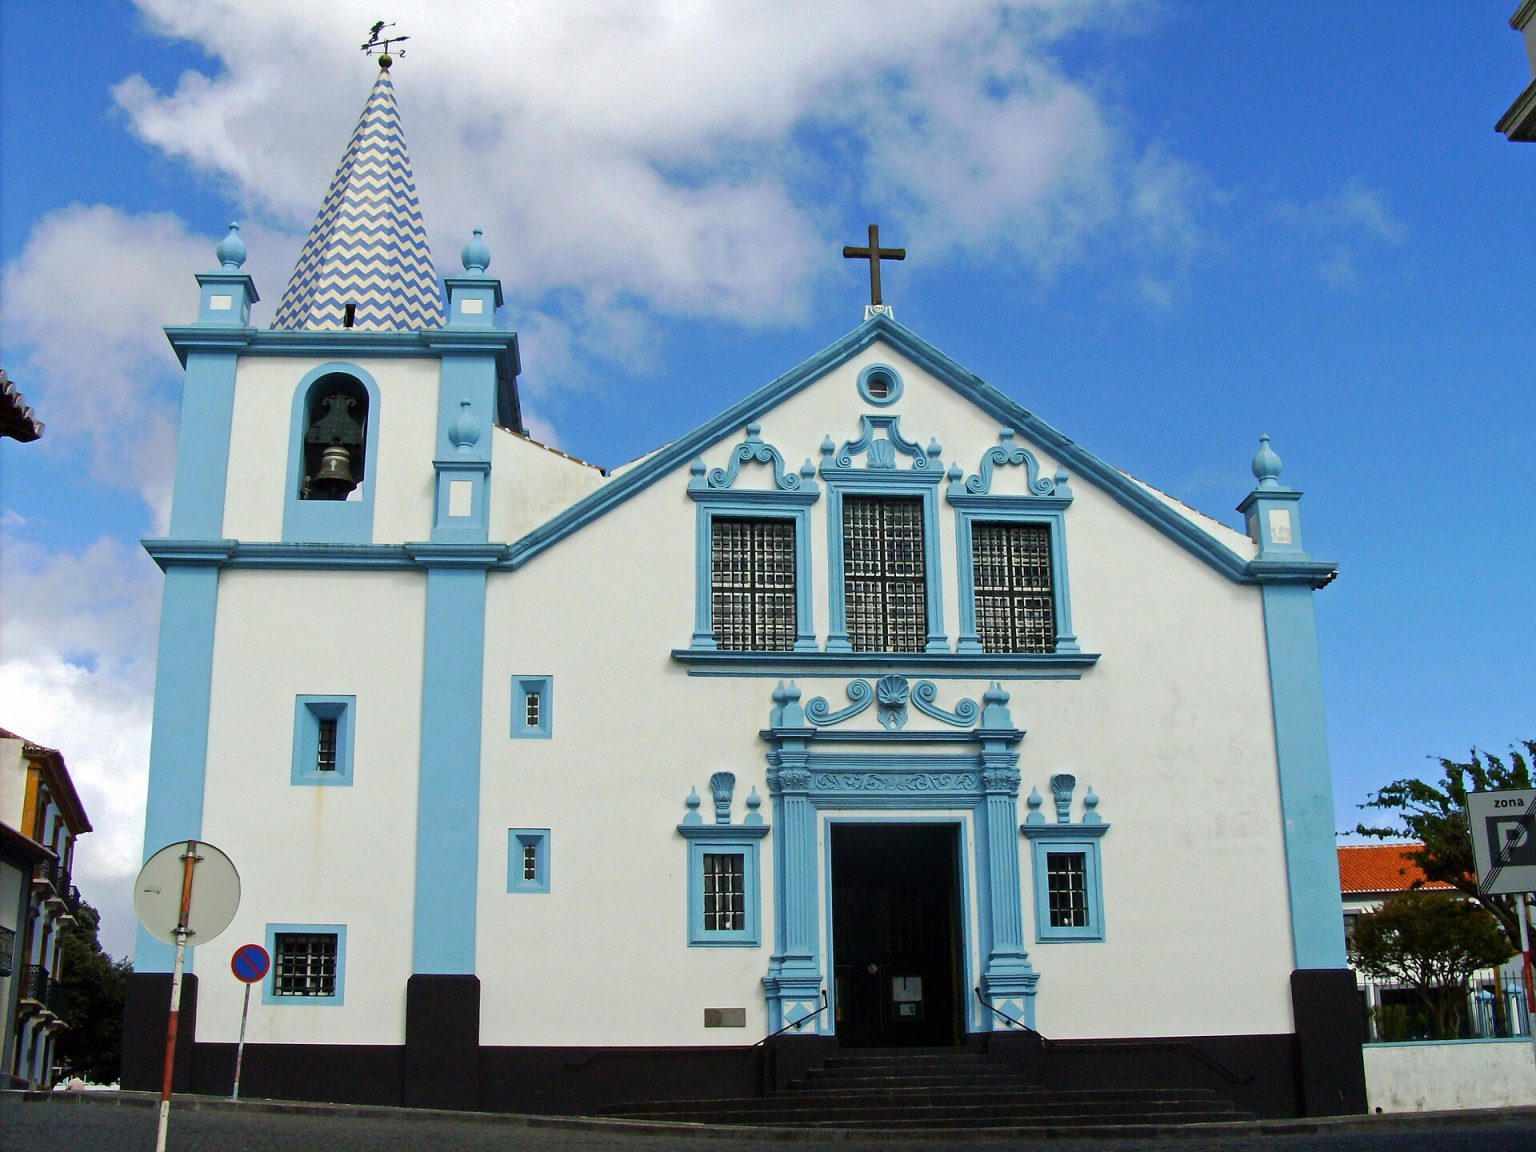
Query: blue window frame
[[1069, 890], [323, 737], [533, 707], [880, 446], [724, 904], [309, 965], [880, 385], [787, 501], [974, 504], [527, 859]]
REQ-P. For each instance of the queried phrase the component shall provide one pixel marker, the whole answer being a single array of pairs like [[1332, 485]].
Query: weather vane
[[379, 42]]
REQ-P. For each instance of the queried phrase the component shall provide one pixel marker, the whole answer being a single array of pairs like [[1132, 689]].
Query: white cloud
[[694, 159], [1339, 228], [77, 674]]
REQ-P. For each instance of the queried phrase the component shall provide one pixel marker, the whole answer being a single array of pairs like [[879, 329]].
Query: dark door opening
[[896, 934]]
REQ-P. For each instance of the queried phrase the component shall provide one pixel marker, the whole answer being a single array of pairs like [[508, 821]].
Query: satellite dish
[[215, 892]]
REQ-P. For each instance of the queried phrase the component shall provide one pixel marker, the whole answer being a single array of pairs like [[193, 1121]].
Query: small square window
[[532, 707], [1069, 894], [723, 885], [322, 740], [308, 964], [527, 859], [7, 950]]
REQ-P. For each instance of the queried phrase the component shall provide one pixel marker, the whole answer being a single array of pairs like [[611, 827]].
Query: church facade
[[873, 712]]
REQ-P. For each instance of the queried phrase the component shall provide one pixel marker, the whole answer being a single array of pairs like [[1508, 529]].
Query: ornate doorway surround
[[814, 764]]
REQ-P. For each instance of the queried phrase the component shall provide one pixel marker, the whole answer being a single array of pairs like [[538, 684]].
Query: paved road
[[100, 1126]]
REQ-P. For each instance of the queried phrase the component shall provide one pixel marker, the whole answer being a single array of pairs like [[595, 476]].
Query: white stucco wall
[[259, 446], [1172, 728], [1431, 1076], [530, 483], [306, 854]]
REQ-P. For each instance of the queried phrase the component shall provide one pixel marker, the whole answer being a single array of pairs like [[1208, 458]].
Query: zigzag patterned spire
[[368, 248]]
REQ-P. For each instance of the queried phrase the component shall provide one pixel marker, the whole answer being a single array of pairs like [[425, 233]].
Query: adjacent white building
[[874, 711]]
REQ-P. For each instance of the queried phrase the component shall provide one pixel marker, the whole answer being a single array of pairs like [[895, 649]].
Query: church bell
[[334, 478]]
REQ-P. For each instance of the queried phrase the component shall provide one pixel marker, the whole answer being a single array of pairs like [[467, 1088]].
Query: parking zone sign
[[1503, 826]]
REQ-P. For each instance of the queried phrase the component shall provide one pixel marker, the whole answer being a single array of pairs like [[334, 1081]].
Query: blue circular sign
[[250, 963]]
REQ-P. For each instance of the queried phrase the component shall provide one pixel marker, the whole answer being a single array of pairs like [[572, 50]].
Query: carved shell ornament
[[891, 695]]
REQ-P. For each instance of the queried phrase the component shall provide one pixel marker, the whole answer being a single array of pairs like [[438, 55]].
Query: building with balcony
[[41, 818]]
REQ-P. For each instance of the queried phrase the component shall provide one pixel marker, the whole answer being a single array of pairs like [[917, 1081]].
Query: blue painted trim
[[1050, 511], [893, 385], [522, 688], [225, 299], [751, 506], [858, 482], [724, 839], [178, 746], [308, 711], [1047, 838], [882, 329], [753, 450], [202, 445], [336, 1001], [331, 521], [352, 343], [518, 841], [943, 665], [1306, 781], [448, 794], [913, 774]]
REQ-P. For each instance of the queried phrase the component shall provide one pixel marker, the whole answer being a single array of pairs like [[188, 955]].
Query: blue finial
[[476, 256], [692, 802], [1266, 465], [231, 249]]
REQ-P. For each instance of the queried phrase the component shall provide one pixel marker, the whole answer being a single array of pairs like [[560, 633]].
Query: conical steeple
[[366, 263]]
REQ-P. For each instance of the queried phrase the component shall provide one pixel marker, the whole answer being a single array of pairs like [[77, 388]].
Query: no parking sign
[[250, 963]]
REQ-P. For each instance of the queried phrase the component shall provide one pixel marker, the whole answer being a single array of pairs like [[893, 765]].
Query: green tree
[[90, 992], [1436, 816], [1435, 942]]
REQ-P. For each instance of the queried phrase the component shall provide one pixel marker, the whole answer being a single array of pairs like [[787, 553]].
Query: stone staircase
[[942, 1088]]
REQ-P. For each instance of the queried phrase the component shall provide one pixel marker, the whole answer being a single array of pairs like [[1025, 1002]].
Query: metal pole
[[188, 862], [240, 1051]]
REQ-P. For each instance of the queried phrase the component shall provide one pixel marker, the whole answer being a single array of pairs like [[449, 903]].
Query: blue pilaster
[[448, 794], [794, 981], [1306, 781], [1008, 979], [178, 746], [1273, 515]]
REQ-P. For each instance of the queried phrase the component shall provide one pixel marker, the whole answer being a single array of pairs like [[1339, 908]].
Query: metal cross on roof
[[874, 254], [381, 43]]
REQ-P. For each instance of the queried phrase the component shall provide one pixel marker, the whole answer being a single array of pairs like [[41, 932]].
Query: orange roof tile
[[1382, 868]]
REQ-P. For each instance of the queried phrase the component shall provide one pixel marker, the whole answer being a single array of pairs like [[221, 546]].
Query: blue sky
[[1164, 227]]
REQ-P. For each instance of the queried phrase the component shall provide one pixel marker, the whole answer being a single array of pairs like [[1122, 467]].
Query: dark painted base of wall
[[146, 1014], [1261, 1074]]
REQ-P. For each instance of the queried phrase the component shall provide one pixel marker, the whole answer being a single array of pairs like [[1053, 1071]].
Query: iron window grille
[[1015, 600], [1067, 889], [752, 584], [7, 950], [725, 893], [325, 746], [530, 861], [884, 573], [305, 964], [533, 709]]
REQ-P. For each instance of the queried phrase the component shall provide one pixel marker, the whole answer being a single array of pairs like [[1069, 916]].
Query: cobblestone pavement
[[103, 1126]]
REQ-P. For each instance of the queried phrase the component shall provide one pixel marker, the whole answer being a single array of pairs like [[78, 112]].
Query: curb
[[1381, 1122]]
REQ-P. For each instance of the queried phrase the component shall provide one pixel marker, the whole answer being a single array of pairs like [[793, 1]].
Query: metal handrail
[[1199, 1054], [996, 1011], [796, 1024]]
